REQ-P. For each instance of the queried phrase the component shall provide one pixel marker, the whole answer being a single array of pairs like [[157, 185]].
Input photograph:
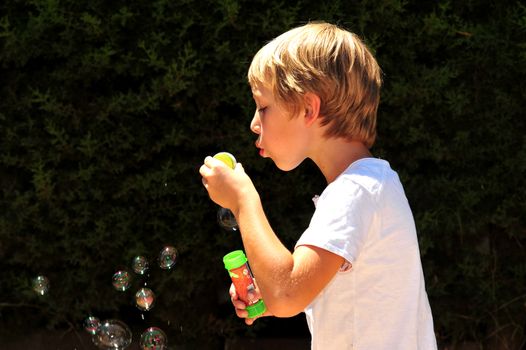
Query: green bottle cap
[[234, 259], [256, 309]]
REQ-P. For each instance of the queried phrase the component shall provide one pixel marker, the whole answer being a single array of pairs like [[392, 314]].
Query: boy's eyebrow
[[256, 98], [258, 104], [256, 93]]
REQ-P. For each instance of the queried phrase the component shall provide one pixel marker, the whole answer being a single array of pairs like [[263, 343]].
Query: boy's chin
[[286, 166]]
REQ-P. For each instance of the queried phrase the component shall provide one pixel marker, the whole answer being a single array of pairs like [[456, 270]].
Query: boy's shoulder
[[366, 176], [369, 173]]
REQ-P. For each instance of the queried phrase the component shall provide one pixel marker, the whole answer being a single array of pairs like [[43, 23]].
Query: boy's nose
[[255, 125]]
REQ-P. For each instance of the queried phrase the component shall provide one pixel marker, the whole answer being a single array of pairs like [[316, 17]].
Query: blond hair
[[334, 64]]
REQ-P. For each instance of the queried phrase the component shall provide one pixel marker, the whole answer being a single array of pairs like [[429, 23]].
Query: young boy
[[356, 270]]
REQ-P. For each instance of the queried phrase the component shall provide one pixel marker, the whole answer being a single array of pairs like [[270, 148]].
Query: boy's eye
[[261, 110]]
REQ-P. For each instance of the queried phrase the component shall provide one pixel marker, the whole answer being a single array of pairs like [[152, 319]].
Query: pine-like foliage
[[107, 109]]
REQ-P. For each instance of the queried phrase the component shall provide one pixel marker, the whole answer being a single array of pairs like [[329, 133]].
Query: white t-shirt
[[380, 302]]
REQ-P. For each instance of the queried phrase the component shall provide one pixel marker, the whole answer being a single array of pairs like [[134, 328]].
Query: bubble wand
[[225, 217]]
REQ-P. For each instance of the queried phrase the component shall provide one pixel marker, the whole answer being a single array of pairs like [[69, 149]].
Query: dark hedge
[[107, 109]]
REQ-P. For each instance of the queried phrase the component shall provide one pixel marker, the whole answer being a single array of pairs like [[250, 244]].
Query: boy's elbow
[[284, 305]]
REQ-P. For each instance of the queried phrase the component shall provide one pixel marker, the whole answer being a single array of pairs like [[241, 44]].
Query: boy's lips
[[258, 146]]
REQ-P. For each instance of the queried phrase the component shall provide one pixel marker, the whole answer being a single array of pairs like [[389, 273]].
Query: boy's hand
[[240, 306], [224, 185]]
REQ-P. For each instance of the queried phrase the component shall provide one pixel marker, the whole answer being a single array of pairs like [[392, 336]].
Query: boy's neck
[[334, 155]]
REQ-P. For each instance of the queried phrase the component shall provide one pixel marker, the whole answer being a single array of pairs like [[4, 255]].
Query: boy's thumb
[[251, 296]]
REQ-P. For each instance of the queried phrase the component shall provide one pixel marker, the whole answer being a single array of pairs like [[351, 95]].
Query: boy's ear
[[312, 107]]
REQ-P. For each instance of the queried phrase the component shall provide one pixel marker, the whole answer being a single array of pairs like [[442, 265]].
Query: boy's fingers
[[252, 296], [238, 304], [232, 292], [204, 170], [213, 162], [250, 321], [241, 313]]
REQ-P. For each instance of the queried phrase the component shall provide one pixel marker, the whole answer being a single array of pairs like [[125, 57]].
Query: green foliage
[[107, 110]]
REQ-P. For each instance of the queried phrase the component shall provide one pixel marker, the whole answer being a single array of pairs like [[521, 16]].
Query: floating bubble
[[153, 338], [41, 285], [112, 334], [140, 265], [226, 219], [91, 324], [121, 280], [144, 299], [167, 257]]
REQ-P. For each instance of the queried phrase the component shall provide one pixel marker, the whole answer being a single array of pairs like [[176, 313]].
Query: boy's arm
[[288, 282]]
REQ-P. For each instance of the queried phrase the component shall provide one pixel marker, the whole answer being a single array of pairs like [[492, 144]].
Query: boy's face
[[281, 137]]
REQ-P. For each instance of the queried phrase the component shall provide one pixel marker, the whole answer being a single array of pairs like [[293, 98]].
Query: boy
[[356, 270]]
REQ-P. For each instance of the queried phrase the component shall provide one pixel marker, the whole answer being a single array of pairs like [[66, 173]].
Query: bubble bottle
[[237, 265]]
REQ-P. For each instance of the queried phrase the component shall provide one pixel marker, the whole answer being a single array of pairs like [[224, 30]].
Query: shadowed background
[[107, 110]]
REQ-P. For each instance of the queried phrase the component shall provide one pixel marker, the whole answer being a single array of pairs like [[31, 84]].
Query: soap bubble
[[121, 280], [91, 324], [140, 265], [153, 338], [41, 285], [226, 219], [144, 299], [167, 257], [112, 334]]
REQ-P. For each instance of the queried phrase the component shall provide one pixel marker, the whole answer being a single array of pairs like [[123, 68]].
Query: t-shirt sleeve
[[342, 219]]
